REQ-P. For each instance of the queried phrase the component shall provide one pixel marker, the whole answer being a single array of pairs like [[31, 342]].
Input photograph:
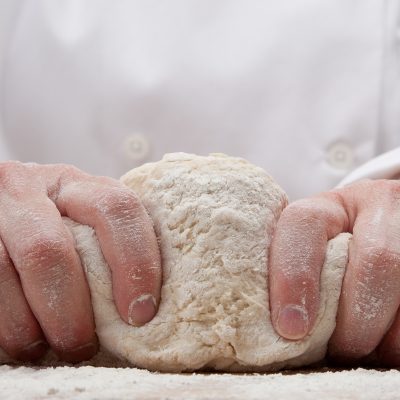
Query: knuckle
[[17, 179], [384, 187], [42, 249], [7, 169], [118, 202], [68, 170], [308, 212], [380, 256], [299, 210], [394, 188]]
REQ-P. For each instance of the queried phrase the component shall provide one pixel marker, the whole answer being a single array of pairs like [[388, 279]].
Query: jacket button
[[136, 147], [340, 156]]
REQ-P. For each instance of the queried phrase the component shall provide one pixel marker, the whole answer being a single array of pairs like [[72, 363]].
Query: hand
[[44, 296], [368, 317]]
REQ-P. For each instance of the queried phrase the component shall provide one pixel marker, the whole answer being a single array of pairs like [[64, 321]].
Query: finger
[[52, 278], [370, 291], [389, 348], [297, 254], [20, 334], [126, 237]]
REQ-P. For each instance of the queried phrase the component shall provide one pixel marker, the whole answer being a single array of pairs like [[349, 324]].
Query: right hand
[[368, 316], [44, 296]]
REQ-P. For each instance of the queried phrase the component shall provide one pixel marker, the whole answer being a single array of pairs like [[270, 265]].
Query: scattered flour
[[130, 383]]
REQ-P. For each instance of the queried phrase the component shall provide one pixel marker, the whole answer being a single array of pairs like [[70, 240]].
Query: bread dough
[[214, 217]]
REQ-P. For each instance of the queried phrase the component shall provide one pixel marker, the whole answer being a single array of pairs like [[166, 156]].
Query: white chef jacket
[[307, 89]]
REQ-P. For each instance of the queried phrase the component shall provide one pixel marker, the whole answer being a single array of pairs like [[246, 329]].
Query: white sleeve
[[9, 11], [385, 166]]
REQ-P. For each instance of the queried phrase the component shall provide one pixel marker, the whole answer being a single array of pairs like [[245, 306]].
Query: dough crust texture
[[214, 218]]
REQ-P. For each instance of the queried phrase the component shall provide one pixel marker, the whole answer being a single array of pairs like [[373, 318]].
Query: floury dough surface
[[214, 217]]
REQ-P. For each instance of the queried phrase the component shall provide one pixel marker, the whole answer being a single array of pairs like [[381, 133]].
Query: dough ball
[[214, 217]]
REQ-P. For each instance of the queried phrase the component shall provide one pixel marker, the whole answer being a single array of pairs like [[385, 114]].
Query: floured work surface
[[131, 383]]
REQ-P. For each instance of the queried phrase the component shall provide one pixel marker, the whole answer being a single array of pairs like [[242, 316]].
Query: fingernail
[[142, 310], [80, 353], [293, 322], [33, 351]]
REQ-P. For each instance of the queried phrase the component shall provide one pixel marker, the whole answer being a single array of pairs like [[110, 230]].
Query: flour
[[214, 218], [88, 383]]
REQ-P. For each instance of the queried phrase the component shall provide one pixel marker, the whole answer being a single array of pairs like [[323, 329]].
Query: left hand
[[368, 317]]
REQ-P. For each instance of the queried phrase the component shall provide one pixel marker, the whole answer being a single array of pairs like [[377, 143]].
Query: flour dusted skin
[[214, 218]]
